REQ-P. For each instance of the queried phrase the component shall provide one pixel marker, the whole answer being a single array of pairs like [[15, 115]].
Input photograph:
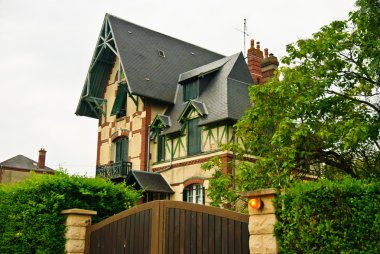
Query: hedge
[[329, 217], [30, 219]]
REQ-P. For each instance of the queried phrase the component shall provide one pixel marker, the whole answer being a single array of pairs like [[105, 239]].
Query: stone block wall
[[77, 222], [261, 223]]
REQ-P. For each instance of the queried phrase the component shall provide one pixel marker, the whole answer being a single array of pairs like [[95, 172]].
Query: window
[[160, 148], [194, 193], [193, 137], [119, 106], [121, 150], [191, 90]]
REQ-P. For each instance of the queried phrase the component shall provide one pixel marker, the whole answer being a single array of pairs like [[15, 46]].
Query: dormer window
[[191, 90], [159, 123]]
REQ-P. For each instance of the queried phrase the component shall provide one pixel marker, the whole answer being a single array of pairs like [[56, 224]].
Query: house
[[19, 167], [164, 107]]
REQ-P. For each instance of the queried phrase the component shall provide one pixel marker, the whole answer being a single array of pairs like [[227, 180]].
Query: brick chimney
[[261, 66], [41, 158], [268, 65], [254, 57]]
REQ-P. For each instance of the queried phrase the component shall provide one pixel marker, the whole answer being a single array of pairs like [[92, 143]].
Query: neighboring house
[[164, 107], [19, 167]]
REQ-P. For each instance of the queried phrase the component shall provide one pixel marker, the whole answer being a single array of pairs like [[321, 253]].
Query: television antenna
[[245, 35]]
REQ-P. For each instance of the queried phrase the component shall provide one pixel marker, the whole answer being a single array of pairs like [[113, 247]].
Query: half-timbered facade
[[164, 107]]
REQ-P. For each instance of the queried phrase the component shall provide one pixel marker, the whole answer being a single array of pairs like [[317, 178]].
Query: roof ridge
[[111, 15]]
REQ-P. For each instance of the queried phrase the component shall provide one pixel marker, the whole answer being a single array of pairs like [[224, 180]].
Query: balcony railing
[[115, 170]]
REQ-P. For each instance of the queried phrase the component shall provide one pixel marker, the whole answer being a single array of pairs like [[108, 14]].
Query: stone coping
[[79, 211], [260, 193]]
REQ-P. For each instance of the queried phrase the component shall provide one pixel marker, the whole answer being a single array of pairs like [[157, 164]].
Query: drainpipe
[[148, 149]]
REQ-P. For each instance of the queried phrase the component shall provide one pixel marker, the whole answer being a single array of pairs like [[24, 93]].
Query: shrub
[[329, 217], [30, 219]]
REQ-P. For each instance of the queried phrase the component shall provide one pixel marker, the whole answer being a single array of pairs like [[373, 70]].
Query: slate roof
[[148, 74], [150, 181], [224, 92], [224, 80], [22, 162], [204, 69]]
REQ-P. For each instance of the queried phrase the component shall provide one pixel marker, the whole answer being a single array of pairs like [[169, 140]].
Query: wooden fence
[[170, 227]]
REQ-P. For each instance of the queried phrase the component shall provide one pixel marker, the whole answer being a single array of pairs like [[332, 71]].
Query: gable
[[225, 92], [193, 109], [151, 62]]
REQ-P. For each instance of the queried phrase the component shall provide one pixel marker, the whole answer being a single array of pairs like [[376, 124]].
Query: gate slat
[[199, 232], [132, 234], [224, 235], [147, 230], [182, 234], [176, 231], [193, 234], [205, 233], [178, 228], [231, 237], [211, 234]]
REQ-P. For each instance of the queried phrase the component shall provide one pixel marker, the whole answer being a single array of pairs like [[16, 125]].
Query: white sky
[[46, 48]]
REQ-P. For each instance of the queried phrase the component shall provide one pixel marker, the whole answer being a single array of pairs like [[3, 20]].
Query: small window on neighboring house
[[119, 106], [193, 136], [194, 193], [121, 149], [191, 90], [160, 148]]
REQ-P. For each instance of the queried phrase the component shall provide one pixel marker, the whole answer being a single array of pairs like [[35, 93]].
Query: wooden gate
[[170, 227]]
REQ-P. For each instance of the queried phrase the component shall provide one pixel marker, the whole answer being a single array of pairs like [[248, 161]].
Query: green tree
[[30, 219], [321, 116]]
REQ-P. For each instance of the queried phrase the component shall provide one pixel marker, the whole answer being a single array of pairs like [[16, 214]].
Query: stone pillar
[[77, 222], [261, 223]]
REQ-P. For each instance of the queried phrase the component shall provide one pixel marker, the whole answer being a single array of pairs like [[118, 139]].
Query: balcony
[[116, 170]]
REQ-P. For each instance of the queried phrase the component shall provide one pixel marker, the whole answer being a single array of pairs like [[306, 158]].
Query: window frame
[[194, 193]]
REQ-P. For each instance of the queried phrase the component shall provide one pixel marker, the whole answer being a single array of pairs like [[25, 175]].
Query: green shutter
[[124, 150], [161, 148], [118, 151], [194, 137], [120, 100], [121, 153], [191, 90]]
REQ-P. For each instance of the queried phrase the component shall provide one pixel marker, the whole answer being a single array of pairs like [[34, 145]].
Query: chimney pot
[[252, 43], [258, 45], [41, 158], [266, 53]]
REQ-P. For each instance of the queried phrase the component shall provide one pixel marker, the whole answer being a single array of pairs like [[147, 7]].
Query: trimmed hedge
[[329, 217], [30, 220]]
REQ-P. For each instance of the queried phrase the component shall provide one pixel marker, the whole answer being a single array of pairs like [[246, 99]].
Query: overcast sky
[[46, 48]]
